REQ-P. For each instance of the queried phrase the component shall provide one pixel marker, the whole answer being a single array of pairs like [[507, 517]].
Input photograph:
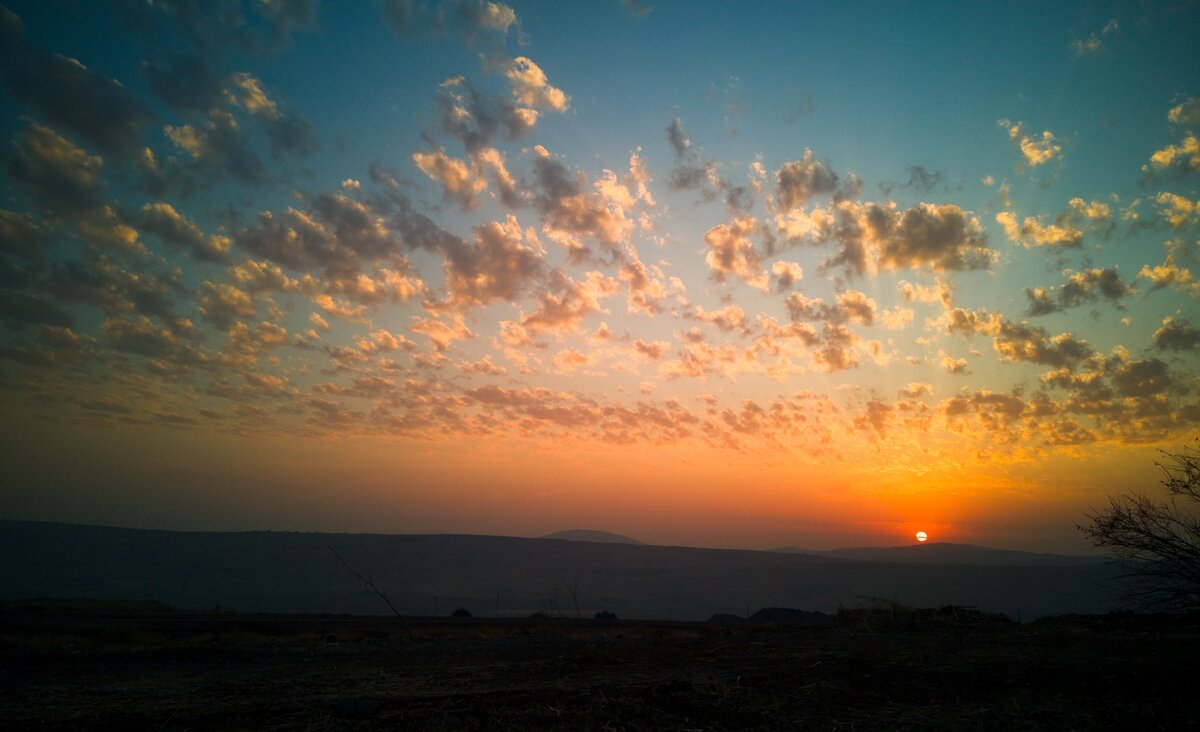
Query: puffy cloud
[[800, 180], [1170, 273], [570, 211], [566, 304], [100, 110], [940, 291], [498, 267], [61, 177], [850, 305], [256, 276], [139, 336], [221, 303], [1079, 288], [458, 181], [475, 117], [1021, 342], [162, 220], [219, 148], [728, 319], [940, 237], [787, 274], [652, 349], [1035, 149], [1184, 156], [1176, 335], [732, 253], [897, 318], [1186, 112], [1177, 210], [1031, 232], [531, 89], [440, 333]]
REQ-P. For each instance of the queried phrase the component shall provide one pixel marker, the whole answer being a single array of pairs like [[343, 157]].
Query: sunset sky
[[717, 274]]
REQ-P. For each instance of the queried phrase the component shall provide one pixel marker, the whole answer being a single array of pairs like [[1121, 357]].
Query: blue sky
[[840, 270]]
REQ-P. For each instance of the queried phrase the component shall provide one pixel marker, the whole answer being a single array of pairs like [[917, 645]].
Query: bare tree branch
[[1158, 543], [370, 584]]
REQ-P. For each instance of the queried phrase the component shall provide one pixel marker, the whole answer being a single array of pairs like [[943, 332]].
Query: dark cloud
[[943, 237], [477, 23], [162, 220], [800, 180], [60, 177], [212, 26], [1177, 335], [185, 81], [1079, 288], [20, 236], [220, 148], [101, 111], [475, 116]]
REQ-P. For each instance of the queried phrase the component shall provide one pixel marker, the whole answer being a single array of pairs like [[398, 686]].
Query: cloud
[[61, 177], [1079, 288], [565, 305], [187, 82], [162, 220], [1183, 157], [1032, 233], [787, 274], [499, 267], [732, 253], [849, 305], [531, 89], [1170, 273], [1094, 43], [1177, 335], [221, 303], [440, 333], [458, 181], [475, 117], [570, 211], [477, 23], [101, 111], [20, 236], [940, 236], [219, 148], [800, 180], [1185, 113], [1035, 149], [1178, 210]]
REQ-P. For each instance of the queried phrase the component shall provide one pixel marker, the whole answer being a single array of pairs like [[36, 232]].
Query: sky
[[714, 274]]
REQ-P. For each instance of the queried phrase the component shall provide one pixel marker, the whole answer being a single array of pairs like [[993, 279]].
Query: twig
[[367, 582]]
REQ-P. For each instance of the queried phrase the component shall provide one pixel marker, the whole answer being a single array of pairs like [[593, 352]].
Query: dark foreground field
[[137, 667]]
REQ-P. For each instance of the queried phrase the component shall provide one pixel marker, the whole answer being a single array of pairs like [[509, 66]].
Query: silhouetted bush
[[462, 612], [605, 615], [1159, 543]]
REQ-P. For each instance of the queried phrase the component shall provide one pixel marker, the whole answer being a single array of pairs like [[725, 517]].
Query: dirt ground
[[141, 667]]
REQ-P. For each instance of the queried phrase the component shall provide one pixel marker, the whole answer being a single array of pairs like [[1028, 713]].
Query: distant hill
[[950, 553], [263, 571], [602, 537]]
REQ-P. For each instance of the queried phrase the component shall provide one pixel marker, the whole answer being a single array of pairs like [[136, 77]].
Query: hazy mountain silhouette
[[434, 574], [603, 537], [950, 553]]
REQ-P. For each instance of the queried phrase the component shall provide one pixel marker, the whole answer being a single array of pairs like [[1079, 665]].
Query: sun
[[922, 536]]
